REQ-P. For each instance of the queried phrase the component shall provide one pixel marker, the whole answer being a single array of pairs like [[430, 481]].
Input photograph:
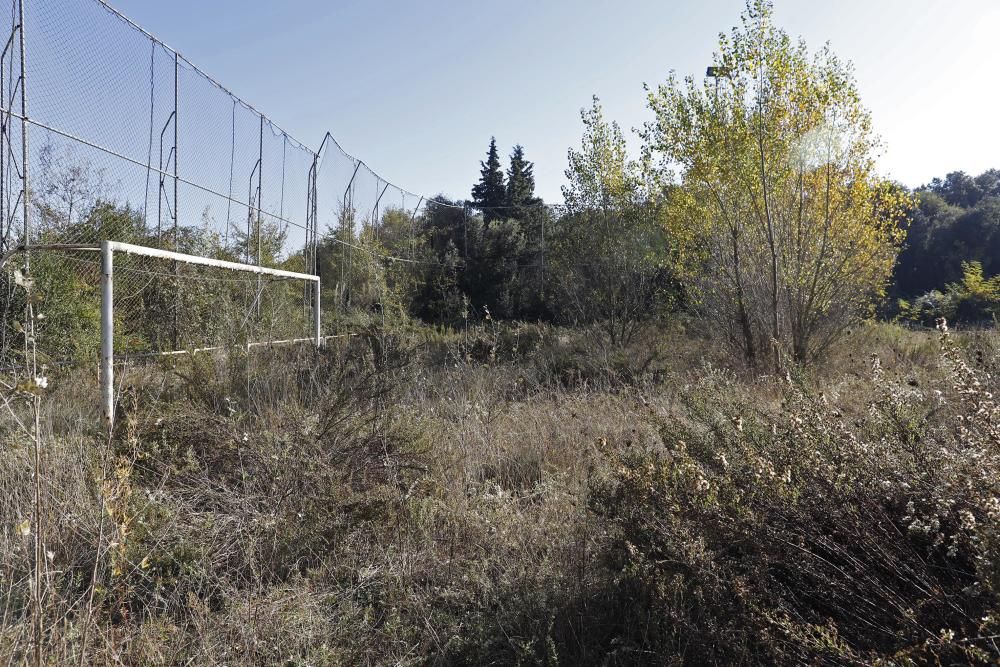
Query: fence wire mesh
[[116, 116], [164, 305], [127, 140]]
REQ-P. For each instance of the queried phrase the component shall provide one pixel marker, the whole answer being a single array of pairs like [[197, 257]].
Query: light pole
[[717, 72]]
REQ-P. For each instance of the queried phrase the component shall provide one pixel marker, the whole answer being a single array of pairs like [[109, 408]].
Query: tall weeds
[[511, 496]]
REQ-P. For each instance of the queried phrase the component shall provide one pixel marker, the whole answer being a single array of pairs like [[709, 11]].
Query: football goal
[[260, 302]]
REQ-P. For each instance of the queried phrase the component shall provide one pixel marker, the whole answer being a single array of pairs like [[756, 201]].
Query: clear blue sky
[[416, 89]]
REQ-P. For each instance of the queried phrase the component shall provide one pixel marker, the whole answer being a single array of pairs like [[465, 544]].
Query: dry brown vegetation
[[516, 495]]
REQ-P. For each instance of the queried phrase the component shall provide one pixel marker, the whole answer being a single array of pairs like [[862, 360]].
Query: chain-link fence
[[106, 133], [116, 116]]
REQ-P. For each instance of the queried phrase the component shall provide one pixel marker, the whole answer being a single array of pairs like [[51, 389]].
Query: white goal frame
[[108, 250]]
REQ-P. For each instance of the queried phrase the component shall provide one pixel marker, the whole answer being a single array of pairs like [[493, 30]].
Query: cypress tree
[[520, 182], [490, 193]]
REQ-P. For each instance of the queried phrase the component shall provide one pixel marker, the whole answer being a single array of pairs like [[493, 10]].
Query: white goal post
[[108, 250]]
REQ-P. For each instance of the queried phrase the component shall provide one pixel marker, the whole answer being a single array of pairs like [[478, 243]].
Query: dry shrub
[[395, 500], [809, 533]]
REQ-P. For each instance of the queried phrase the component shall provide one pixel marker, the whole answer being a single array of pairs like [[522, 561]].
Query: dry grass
[[516, 496]]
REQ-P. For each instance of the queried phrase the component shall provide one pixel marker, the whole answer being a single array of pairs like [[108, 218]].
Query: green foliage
[[360, 283], [609, 253], [443, 244], [784, 232], [955, 221], [973, 300], [158, 307], [465, 266], [960, 189], [976, 298], [70, 305], [265, 240], [493, 274], [68, 287], [520, 184], [601, 176]]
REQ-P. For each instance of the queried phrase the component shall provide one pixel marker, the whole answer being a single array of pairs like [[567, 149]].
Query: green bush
[[974, 300]]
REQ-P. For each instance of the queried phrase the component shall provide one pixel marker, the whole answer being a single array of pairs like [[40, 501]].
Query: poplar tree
[[608, 255], [784, 231]]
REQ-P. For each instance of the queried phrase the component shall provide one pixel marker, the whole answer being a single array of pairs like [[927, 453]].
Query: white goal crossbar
[[108, 250]]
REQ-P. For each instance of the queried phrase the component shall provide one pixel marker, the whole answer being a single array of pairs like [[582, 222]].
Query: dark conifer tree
[[490, 193], [520, 182]]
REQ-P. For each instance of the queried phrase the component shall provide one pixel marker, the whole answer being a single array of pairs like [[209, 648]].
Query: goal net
[[121, 304]]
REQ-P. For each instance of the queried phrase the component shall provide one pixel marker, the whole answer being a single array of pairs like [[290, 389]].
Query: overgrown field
[[516, 495]]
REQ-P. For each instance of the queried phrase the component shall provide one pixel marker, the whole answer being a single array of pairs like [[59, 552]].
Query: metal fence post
[[176, 150], [316, 314], [24, 140], [260, 192], [314, 215], [259, 226], [177, 208], [309, 249], [107, 334]]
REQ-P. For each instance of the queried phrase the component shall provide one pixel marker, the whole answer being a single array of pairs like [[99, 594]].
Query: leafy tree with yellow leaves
[[783, 230]]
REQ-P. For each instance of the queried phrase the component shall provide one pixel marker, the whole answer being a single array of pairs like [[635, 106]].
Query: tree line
[[754, 206], [504, 254], [951, 258]]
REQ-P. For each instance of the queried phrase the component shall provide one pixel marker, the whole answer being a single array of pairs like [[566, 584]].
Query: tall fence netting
[[129, 141]]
